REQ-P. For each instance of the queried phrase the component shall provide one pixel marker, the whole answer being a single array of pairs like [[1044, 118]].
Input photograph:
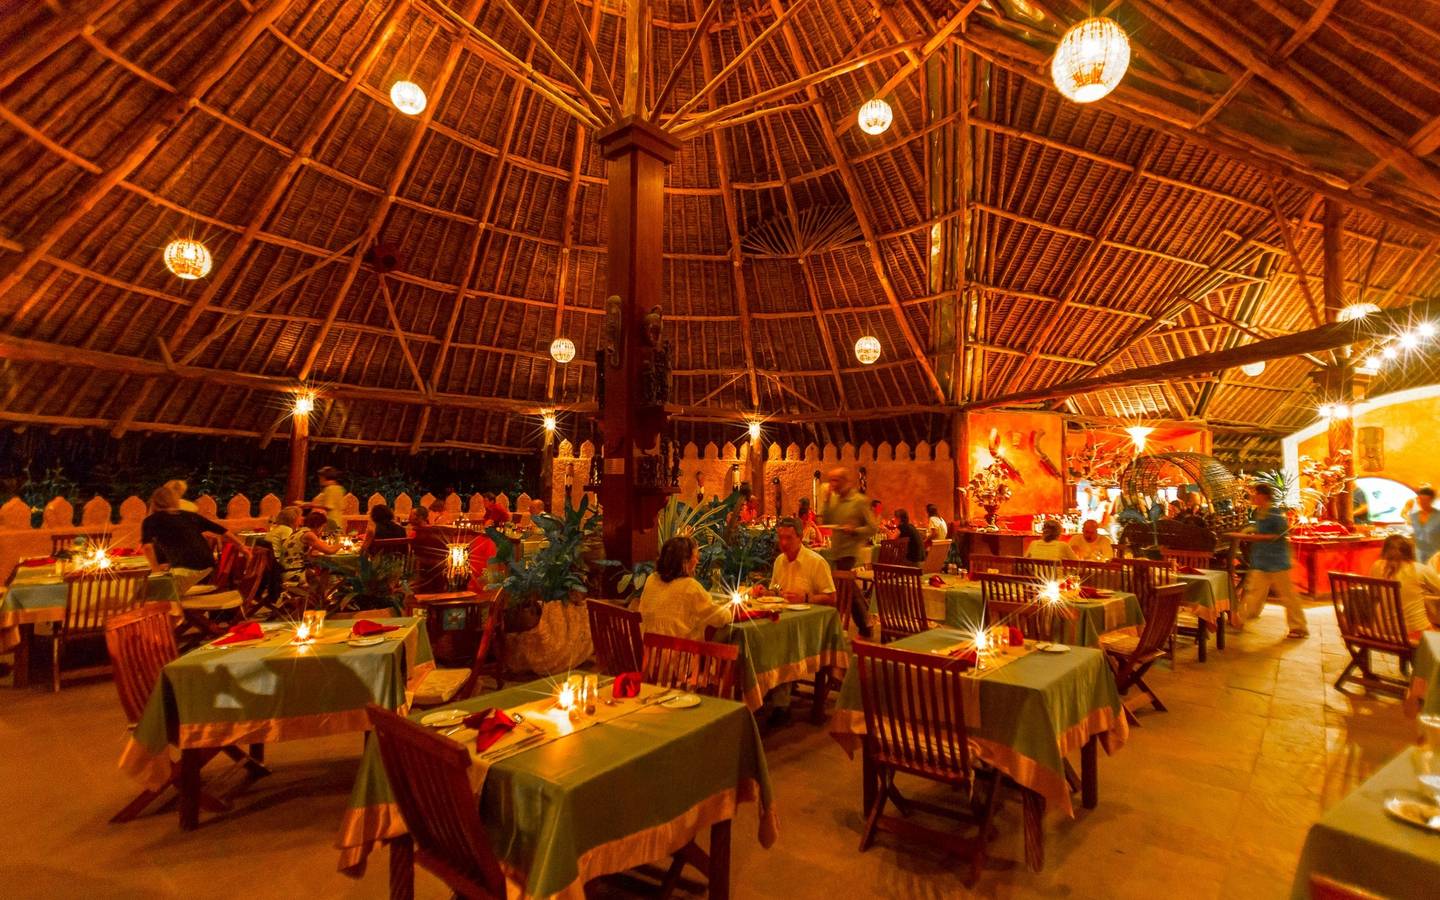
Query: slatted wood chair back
[[1001, 565], [91, 598], [429, 778], [615, 632], [1031, 618], [892, 552], [140, 642], [1102, 574], [914, 712], [701, 667], [1194, 559], [489, 659], [846, 590], [1007, 588], [899, 601], [1038, 569], [390, 547], [1148, 574], [65, 540], [1011, 600], [1369, 612], [1162, 611]]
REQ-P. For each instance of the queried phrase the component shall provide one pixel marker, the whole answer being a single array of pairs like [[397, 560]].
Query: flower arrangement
[[1325, 481], [990, 488]]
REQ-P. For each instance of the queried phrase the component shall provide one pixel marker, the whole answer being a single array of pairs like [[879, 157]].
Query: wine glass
[[1427, 757]]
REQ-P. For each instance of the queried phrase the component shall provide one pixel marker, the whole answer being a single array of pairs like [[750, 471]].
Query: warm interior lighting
[[867, 349], [1138, 434], [565, 696], [754, 431], [548, 421], [457, 559], [1254, 369], [1090, 59], [736, 598], [187, 258], [408, 97], [1425, 330], [1371, 365], [562, 350], [304, 404], [1050, 592], [1325, 410], [1409, 340], [875, 116], [1356, 311], [1389, 353]]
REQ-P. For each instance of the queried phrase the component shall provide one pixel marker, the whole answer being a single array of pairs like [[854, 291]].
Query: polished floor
[[1211, 799]]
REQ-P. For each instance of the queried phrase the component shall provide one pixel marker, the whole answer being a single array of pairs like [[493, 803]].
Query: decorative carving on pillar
[[612, 338], [864, 481], [655, 369]]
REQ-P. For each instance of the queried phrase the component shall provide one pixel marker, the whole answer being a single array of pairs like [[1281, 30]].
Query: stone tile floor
[[1209, 800]]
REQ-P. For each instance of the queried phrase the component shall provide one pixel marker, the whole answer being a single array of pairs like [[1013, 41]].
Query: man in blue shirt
[[1270, 562], [1425, 524]]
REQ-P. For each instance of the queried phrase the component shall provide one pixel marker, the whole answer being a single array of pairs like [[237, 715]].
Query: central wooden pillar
[[299, 456], [637, 154]]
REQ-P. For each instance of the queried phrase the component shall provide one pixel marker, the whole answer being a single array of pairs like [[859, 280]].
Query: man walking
[[852, 525], [1270, 562]]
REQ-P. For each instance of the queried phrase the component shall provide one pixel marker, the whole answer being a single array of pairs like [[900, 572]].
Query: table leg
[[867, 781], [402, 868], [1089, 773], [1202, 635], [1220, 631], [190, 763], [720, 860], [22, 656]]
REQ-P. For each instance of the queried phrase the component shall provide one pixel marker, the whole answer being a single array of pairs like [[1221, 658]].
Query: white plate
[[680, 701], [1414, 809], [1053, 648], [370, 641], [797, 607], [443, 717]]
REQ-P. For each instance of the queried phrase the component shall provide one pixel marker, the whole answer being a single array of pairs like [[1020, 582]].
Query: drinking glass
[[1427, 757]]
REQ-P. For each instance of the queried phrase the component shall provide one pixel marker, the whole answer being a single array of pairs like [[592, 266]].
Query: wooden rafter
[[697, 38]]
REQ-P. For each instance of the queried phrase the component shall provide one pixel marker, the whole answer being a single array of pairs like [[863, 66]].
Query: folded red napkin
[[245, 631], [1017, 637], [751, 615], [967, 658], [490, 725], [627, 685], [1190, 570], [365, 628], [38, 561], [936, 581], [125, 551], [1090, 593]]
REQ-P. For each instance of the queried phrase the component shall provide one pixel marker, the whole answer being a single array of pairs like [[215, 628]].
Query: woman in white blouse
[[673, 602], [1049, 546], [1419, 583]]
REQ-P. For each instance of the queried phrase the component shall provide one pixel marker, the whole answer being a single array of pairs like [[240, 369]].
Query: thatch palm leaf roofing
[[1155, 225]]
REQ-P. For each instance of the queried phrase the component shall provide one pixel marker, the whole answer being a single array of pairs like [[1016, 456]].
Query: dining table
[[956, 601], [1358, 844], [1209, 594], [37, 594], [1423, 695], [271, 689], [1026, 718], [796, 645], [567, 797]]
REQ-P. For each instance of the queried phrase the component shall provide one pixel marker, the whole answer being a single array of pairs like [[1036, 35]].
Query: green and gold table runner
[[795, 648]]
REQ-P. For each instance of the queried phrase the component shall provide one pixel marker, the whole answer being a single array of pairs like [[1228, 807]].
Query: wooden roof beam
[[153, 124], [34, 47], [697, 36]]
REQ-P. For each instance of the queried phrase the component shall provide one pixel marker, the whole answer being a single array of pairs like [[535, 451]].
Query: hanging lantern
[[1090, 59], [867, 349], [562, 350], [1355, 311], [187, 258], [1138, 434], [875, 116], [408, 97], [1255, 369]]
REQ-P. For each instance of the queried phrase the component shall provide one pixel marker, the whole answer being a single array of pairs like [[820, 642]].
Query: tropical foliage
[[705, 522], [558, 570], [366, 582]]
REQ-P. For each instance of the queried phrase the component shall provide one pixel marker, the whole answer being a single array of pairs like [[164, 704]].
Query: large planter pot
[[559, 642]]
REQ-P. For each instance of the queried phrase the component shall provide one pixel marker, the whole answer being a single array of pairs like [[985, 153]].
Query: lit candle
[[736, 598], [565, 699], [1050, 593]]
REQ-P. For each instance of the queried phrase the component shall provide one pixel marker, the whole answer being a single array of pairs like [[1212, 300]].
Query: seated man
[[174, 537], [1090, 544], [800, 576]]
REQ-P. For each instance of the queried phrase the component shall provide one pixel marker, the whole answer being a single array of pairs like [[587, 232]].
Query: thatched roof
[[1169, 220]]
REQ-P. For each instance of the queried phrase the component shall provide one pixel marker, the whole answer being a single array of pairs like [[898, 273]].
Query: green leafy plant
[[557, 570], [749, 553], [378, 582], [705, 522]]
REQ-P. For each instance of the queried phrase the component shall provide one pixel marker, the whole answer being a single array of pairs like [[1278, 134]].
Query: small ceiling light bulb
[[875, 116], [562, 350], [1425, 329], [1326, 410], [1409, 340], [754, 431], [1372, 363], [304, 404], [1138, 434], [1356, 311], [1389, 353], [867, 349], [549, 421], [1254, 369]]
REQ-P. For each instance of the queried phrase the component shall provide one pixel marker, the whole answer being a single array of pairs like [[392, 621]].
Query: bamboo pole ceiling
[[1180, 216]]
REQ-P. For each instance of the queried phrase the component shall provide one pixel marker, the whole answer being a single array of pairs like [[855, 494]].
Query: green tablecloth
[[629, 791], [1424, 696], [1358, 844], [795, 648], [213, 697], [959, 605], [37, 594], [1208, 593], [1033, 712]]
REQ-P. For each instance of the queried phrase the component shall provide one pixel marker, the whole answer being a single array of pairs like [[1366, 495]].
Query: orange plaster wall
[[1040, 492], [1409, 441]]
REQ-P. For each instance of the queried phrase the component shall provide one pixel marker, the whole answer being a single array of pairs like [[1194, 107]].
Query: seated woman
[[306, 542], [383, 527], [419, 518], [1049, 546], [174, 537], [673, 602], [1419, 583], [281, 527]]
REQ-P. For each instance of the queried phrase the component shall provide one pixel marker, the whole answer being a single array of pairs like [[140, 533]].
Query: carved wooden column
[[637, 153], [299, 454]]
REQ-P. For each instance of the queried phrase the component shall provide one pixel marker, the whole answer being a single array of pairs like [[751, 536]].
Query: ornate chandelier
[[408, 97], [1090, 59], [562, 350], [875, 116]]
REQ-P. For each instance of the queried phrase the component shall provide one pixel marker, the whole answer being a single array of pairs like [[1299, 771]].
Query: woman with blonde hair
[[1419, 583], [281, 530], [179, 488], [176, 537]]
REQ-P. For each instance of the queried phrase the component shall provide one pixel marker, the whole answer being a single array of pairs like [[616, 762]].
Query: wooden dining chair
[[1372, 620], [447, 685], [91, 598], [1038, 569], [140, 642], [390, 547], [61, 541], [899, 602], [615, 631], [1105, 575], [429, 776], [1130, 657], [1194, 559], [1013, 600], [847, 589], [892, 552], [1002, 565], [701, 667], [914, 710]]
